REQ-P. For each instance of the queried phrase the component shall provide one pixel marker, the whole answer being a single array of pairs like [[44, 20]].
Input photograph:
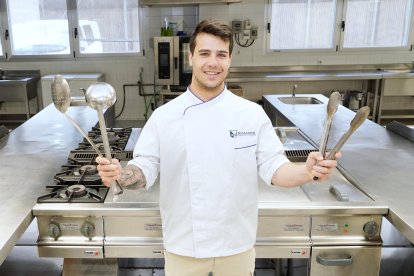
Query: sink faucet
[[294, 90]]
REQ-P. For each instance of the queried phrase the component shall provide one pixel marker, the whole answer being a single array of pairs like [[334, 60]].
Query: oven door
[[345, 260], [182, 69]]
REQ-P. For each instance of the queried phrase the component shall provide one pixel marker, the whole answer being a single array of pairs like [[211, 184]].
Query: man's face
[[210, 62]]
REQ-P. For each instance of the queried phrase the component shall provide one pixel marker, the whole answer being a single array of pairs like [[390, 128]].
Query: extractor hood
[[184, 2]]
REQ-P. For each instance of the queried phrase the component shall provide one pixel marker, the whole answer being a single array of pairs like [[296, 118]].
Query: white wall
[[125, 70]]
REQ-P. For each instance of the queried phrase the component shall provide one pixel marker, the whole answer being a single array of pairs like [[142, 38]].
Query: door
[[345, 260]]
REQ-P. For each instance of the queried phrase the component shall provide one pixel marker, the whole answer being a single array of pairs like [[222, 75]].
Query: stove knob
[[88, 230], [53, 230], [371, 228]]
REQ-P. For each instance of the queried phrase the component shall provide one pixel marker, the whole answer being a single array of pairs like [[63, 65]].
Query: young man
[[209, 147]]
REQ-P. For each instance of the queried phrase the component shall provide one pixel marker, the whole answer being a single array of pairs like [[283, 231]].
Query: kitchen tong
[[332, 107]]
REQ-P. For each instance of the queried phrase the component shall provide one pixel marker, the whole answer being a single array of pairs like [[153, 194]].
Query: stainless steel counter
[[29, 157], [379, 161]]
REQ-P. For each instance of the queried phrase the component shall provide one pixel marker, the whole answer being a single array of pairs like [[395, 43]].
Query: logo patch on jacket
[[235, 133]]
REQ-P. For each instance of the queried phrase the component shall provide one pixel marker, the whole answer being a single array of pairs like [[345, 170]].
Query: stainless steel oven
[[172, 66]]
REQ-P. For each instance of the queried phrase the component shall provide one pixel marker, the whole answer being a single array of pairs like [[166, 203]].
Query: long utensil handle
[[84, 135], [117, 188], [325, 135], [331, 109], [338, 146]]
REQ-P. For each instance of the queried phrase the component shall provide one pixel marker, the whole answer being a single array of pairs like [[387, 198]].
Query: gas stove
[[117, 137], [79, 181]]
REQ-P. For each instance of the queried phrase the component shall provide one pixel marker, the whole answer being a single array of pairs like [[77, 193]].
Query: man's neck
[[206, 95]]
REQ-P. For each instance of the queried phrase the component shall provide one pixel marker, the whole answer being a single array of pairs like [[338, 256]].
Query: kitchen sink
[[19, 86], [299, 100]]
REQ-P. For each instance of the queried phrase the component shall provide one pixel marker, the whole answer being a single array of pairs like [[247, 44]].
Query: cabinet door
[[345, 260]]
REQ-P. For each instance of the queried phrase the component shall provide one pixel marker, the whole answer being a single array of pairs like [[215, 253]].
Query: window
[[316, 24], [377, 23], [107, 26], [302, 24], [38, 27], [50, 28]]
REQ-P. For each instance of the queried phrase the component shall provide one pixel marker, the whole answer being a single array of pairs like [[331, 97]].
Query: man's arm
[[130, 177], [291, 174]]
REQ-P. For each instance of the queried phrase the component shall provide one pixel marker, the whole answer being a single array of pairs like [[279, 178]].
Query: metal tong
[[356, 122], [331, 108]]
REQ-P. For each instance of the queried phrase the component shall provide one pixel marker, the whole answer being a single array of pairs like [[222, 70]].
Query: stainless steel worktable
[[379, 161], [29, 157]]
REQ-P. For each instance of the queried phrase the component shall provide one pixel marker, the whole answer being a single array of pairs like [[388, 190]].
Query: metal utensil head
[[60, 93], [334, 100], [360, 117], [100, 95]]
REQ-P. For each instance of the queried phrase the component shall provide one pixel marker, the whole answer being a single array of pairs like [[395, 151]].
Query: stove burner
[[88, 170], [76, 191], [117, 138], [112, 137]]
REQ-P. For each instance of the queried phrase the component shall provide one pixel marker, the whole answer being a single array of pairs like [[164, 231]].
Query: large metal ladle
[[100, 96], [61, 100]]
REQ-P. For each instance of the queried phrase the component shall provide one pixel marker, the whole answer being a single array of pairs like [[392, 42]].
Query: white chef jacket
[[209, 156]]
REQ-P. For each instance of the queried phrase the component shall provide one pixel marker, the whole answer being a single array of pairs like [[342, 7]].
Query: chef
[[209, 148]]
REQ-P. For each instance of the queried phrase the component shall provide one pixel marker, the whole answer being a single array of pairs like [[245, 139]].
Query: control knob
[[371, 228], [88, 230], [53, 230]]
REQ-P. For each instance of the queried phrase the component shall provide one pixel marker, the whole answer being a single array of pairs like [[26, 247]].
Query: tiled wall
[[125, 70]]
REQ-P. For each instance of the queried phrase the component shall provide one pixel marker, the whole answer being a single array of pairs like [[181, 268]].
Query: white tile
[[177, 11]]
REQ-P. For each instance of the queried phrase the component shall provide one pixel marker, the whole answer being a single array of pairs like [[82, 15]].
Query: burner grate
[[58, 194]]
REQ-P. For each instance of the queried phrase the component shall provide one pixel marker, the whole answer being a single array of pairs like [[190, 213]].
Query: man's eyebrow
[[219, 51]]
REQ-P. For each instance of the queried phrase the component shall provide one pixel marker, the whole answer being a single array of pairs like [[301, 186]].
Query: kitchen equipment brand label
[[153, 227], [92, 253], [293, 227], [298, 252], [327, 227], [70, 226]]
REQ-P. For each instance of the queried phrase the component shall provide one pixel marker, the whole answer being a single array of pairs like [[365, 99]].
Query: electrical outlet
[[247, 24], [246, 34], [254, 32], [236, 26]]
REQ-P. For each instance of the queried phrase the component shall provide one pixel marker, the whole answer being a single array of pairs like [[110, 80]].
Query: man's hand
[[109, 172], [319, 167]]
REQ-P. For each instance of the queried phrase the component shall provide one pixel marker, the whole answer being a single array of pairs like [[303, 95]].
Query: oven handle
[[335, 260]]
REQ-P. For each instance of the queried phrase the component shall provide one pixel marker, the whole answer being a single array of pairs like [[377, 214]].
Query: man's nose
[[212, 61]]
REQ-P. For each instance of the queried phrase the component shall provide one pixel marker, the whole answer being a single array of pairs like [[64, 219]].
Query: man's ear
[[190, 56]]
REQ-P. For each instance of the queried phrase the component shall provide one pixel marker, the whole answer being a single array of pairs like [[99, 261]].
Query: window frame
[[74, 43]]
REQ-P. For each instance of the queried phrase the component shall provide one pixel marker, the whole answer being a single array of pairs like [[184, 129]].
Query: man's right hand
[[109, 172]]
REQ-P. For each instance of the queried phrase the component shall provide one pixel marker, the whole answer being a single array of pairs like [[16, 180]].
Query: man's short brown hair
[[214, 27]]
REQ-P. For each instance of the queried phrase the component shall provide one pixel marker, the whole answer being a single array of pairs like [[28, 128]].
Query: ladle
[[100, 96], [61, 100]]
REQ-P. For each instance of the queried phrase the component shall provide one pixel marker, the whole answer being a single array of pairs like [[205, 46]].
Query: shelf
[[397, 113]]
